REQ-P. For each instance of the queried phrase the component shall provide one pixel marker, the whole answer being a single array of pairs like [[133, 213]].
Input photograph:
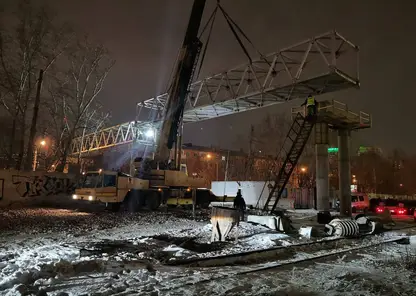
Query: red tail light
[[402, 211], [379, 210]]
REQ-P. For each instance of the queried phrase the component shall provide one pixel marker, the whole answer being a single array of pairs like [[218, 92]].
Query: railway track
[[275, 253], [306, 256]]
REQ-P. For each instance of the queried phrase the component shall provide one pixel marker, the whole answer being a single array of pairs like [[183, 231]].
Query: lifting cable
[[235, 29], [233, 26], [210, 22], [230, 24]]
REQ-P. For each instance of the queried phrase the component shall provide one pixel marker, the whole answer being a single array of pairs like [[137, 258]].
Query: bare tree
[[56, 127], [270, 134], [268, 138], [265, 159], [32, 43], [75, 95], [94, 120]]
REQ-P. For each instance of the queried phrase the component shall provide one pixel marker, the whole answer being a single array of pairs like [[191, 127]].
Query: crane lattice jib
[[175, 101], [322, 64]]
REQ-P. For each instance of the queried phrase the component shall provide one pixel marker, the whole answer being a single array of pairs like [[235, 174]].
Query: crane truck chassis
[[118, 190]]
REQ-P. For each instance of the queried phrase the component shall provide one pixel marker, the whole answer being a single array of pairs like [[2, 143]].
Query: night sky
[[144, 37]]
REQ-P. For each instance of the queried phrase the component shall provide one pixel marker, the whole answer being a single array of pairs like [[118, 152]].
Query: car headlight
[[74, 196], [90, 197]]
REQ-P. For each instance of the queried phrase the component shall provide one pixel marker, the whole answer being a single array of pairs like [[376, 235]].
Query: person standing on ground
[[240, 204]]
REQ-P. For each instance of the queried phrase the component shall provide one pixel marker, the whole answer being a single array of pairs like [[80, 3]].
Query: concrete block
[[268, 221], [227, 204], [305, 231], [223, 220]]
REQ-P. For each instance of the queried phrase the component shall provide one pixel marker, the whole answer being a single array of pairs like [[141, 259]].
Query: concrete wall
[[23, 187], [251, 191]]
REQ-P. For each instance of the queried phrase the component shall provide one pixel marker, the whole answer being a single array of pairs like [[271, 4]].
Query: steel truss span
[[141, 132], [322, 64]]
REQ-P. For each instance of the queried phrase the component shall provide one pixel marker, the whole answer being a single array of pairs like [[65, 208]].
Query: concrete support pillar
[[322, 181], [322, 167], [344, 172]]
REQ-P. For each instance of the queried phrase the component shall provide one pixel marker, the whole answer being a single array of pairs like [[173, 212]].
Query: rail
[[310, 257], [338, 110]]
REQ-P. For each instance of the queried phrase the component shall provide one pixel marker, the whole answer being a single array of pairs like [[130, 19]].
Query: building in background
[[369, 149]]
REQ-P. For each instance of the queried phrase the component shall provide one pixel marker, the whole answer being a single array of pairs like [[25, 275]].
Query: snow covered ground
[[77, 252], [42, 246], [377, 271]]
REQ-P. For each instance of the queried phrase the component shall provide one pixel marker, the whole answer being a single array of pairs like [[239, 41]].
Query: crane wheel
[[114, 206], [132, 201], [153, 200]]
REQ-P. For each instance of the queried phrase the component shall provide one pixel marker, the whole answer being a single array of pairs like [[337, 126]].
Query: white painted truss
[[141, 132], [322, 64]]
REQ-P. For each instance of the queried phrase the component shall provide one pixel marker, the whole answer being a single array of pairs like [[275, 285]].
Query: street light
[[209, 156], [302, 176], [35, 154]]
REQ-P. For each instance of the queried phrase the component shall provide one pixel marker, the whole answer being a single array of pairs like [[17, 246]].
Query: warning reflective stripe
[[310, 101]]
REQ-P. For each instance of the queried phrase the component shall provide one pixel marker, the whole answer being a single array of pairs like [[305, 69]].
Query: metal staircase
[[291, 151]]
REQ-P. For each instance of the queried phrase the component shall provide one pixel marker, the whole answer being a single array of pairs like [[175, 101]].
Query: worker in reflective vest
[[310, 106]]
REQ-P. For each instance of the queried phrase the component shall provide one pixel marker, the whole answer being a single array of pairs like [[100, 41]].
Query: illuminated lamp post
[[42, 143]]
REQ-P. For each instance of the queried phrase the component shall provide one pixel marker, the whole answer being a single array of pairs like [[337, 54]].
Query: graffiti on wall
[[31, 186]]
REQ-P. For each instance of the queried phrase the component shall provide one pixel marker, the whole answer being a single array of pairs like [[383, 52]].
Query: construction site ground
[[80, 249]]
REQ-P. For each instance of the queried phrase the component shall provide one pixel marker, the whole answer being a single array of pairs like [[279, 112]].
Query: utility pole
[[226, 170], [32, 134], [250, 152]]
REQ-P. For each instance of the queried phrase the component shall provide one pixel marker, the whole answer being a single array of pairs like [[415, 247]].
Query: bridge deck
[[338, 115], [323, 64]]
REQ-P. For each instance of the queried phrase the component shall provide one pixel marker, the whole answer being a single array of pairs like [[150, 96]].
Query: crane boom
[[175, 104]]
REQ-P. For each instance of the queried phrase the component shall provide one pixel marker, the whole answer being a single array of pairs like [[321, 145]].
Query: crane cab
[[107, 186]]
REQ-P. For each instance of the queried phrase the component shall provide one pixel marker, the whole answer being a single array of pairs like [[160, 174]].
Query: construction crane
[[153, 186], [314, 66], [175, 104]]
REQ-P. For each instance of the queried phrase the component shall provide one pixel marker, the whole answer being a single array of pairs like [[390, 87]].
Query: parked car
[[398, 209], [359, 202]]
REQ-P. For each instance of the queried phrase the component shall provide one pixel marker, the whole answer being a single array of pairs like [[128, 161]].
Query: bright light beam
[[150, 133]]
